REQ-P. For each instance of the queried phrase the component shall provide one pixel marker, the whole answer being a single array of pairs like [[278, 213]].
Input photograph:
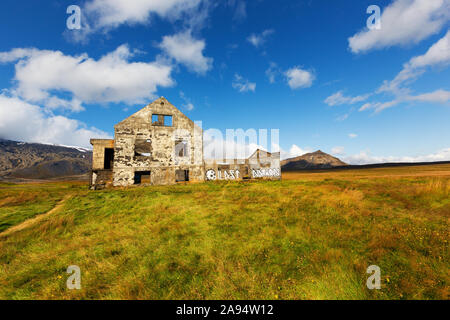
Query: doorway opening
[[182, 175], [142, 177], [109, 158]]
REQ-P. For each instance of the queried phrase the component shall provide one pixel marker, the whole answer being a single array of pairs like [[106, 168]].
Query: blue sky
[[311, 69]]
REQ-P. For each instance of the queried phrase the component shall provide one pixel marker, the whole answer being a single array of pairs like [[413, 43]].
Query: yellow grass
[[310, 236]]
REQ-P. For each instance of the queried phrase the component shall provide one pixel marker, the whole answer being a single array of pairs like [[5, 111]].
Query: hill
[[20, 160], [314, 160]]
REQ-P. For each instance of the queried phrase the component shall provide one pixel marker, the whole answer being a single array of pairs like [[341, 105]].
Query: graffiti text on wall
[[261, 173], [212, 174], [222, 175]]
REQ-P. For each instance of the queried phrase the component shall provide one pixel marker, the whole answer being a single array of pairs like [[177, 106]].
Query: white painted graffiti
[[222, 174], [261, 173], [212, 174]]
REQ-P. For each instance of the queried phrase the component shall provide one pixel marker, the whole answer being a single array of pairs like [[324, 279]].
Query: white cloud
[[188, 51], [437, 55], [338, 98], [438, 96], [441, 96], [258, 40], [240, 9], [243, 85], [104, 15], [188, 105], [403, 22], [16, 54], [272, 72], [298, 78], [352, 135], [343, 117], [380, 106], [294, 151], [365, 106], [23, 121], [365, 157], [338, 151], [112, 78]]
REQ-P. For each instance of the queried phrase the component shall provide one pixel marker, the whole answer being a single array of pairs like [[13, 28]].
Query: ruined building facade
[[159, 145]]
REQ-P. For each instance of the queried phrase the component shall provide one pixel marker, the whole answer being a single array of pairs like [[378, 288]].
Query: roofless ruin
[[159, 145]]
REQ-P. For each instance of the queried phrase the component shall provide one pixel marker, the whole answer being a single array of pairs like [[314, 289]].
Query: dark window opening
[[109, 158], [141, 177], [143, 148], [181, 175], [161, 120], [181, 149]]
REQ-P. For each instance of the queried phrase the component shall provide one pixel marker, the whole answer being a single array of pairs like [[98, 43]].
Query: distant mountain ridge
[[23, 160], [313, 160]]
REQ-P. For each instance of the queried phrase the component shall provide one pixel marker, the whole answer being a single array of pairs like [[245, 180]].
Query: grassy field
[[310, 236]]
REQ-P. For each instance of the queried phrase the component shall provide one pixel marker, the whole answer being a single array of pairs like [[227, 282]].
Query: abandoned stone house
[[160, 145]]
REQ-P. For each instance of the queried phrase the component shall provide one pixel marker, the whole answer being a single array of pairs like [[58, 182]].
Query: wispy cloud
[[339, 98], [188, 105], [272, 72], [240, 9], [437, 55], [338, 151], [365, 157], [258, 40], [243, 85]]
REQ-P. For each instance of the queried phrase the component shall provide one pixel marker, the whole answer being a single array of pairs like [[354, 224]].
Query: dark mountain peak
[[312, 160], [41, 161]]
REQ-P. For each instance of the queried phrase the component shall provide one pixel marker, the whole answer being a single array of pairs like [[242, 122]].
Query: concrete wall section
[[98, 152]]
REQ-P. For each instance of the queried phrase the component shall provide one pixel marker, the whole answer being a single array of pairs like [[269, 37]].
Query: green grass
[[21, 202], [308, 238]]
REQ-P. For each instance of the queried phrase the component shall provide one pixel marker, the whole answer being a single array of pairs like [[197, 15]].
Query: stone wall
[[260, 165], [162, 161]]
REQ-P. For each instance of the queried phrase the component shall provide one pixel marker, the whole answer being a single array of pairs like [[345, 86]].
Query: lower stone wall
[[241, 171], [101, 179], [211, 170], [158, 175]]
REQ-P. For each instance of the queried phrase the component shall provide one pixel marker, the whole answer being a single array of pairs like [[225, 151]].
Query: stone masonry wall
[[162, 163], [261, 165]]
